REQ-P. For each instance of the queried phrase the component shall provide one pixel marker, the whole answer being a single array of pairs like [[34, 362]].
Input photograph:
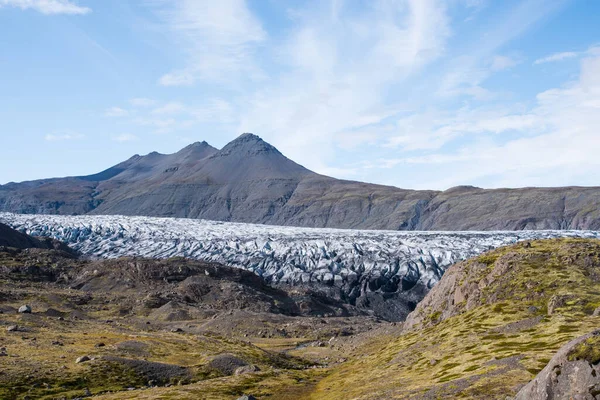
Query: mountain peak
[[197, 144], [197, 150], [247, 144]]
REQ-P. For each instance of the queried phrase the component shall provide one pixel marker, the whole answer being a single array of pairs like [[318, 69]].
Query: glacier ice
[[279, 254]]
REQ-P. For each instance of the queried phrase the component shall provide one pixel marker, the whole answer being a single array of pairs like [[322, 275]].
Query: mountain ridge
[[249, 180]]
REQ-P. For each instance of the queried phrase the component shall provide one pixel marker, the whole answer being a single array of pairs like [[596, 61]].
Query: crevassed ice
[[279, 254]]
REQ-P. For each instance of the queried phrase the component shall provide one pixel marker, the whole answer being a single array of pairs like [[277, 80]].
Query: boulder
[[226, 364], [25, 309], [573, 373], [246, 369]]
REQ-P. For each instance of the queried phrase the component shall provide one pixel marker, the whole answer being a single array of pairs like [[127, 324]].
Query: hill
[[489, 326], [137, 327], [181, 329], [249, 180]]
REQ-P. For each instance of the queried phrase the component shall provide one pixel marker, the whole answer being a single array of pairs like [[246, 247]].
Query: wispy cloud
[[219, 39], [557, 141], [116, 112], [57, 137], [142, 102], [500, 63], [125, 137], [49, 7], [306, 111], [557, 57], [170, 108]]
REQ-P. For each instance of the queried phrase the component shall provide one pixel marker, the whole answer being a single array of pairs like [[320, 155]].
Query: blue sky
[[411, 93]]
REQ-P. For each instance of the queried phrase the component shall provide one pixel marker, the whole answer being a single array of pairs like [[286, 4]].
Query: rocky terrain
[[251, 181], [498, 325], [487, 329], [382, 272], [74, 328]]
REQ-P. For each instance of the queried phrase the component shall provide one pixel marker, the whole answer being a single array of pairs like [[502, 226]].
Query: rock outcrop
[[573, 373], [10, 237]]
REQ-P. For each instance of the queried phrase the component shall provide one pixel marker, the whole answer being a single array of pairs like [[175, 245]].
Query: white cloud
[[557, 142], [215, 111], [500, 63], [116, 112], [307, 110], [48, 7], [164, 124], [170, 108], [556, 57], [57, 137], [219, 38], [466, 73], [142, 102], [125, 137]]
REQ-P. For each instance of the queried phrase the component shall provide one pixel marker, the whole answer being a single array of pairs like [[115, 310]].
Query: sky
[[421, 94]]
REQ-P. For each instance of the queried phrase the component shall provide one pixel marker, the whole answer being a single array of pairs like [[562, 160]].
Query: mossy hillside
[[493, 341], [272, 384], [41, 355]]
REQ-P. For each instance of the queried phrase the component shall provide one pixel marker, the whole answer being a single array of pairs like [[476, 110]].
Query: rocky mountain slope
[[251, 181], [384, 272], [490, 325]]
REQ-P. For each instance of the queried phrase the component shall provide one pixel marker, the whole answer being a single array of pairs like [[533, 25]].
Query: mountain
[[249, 180]]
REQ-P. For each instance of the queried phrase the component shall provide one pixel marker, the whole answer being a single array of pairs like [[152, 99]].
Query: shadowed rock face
[[15, 239], [251, 181]]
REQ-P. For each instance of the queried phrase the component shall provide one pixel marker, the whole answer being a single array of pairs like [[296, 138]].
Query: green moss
[[588, 350]]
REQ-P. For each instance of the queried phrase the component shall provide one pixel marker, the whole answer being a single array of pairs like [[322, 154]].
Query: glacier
[[356, 262]]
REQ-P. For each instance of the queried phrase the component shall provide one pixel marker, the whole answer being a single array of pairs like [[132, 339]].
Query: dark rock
[[159, 373], [226, 364], [82, 359], [532, 309]]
